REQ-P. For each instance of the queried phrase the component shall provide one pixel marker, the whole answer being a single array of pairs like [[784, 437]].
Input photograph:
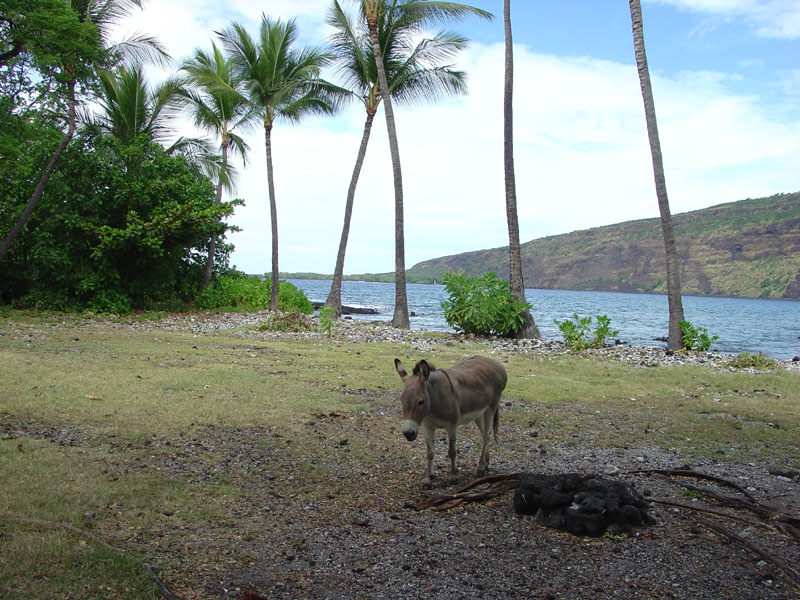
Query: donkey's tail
[[496, 423]]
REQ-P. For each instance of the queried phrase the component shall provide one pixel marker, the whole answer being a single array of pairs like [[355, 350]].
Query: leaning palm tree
[[219, 113], [282, 82], [73, 69], [516, 283], [414, 73], [674, 301], [423, 12]]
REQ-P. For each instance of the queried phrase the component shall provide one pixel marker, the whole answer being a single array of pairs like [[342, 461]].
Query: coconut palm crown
[[280, 81]]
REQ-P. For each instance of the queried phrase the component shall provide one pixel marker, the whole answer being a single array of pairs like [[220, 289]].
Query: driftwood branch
[[786, 523], [479, 489], [67, 527], [708, 511], [162, 587], [792, 574], [698, 475]]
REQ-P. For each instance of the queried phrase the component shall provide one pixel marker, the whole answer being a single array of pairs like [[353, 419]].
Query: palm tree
[[282, 83], [74, 68], [516, 283], [414, 74], [130, 107], [219, 113], [423, 12], [675, 337]]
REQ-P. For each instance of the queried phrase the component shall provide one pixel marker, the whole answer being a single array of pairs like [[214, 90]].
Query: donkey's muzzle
[[410, 430]]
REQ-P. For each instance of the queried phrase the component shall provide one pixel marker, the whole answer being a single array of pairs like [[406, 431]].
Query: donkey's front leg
[[427, 432], [452, 437]]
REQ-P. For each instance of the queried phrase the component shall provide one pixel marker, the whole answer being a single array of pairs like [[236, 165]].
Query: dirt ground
[[324, 516]]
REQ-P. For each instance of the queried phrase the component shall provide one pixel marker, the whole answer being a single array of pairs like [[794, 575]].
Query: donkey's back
[[479, 376]]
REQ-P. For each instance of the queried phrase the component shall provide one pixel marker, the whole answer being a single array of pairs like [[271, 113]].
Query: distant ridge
[[749, 248]]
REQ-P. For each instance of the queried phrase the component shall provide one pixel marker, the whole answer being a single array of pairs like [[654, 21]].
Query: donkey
[[446, 398]]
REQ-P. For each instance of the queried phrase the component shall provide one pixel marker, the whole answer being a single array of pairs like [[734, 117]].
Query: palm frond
[[427, 12]]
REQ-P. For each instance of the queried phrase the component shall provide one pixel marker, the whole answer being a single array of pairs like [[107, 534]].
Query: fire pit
[[581, 504]]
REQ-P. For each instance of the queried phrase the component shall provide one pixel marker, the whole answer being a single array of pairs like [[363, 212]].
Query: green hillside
[[749, 248]]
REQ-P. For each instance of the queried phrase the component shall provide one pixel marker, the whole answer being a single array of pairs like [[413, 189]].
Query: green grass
[[142, 427]]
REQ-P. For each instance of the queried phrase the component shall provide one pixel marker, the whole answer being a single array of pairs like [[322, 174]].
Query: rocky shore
[[357, 331]]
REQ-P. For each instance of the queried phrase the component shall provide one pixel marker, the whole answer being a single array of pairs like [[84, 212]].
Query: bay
[[742, 324]]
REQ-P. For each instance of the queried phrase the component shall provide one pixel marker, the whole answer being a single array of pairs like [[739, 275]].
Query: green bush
[[696, 338], [747, 360], [577, 332], [482, 305], [240, 291]]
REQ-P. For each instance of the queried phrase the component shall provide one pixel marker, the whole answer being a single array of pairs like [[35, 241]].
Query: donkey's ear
[[401, 370], [424, 369]]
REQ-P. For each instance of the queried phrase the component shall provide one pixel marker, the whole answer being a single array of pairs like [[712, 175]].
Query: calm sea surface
[[742, 324]]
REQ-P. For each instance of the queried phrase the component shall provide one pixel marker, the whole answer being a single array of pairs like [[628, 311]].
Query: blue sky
[[726, 77]]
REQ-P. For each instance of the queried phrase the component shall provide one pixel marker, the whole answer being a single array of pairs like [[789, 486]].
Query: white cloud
[[769, 18]]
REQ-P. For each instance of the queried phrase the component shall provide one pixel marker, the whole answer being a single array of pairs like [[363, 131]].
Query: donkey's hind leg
[[484, 423]]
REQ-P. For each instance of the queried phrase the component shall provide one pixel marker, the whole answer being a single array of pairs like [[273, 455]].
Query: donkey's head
[[414, 397]]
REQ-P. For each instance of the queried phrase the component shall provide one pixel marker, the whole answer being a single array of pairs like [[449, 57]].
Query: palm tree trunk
[[273, 214], [38, 191], [675, 339], [516, 282], [335, 296], [400, 319], [212, 244]]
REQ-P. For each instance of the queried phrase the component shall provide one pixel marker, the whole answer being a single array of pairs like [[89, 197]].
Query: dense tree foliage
[[122, 227]]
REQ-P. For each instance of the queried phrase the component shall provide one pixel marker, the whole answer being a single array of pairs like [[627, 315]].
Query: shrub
[[240, 291], [482, 305], [577, 332], [287, 322], [696, 338], [747, 360]]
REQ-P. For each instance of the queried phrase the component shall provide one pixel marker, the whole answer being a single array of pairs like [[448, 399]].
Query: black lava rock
[[581, 504]]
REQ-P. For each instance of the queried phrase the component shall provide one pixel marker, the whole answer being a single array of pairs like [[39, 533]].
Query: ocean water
[[742, 324]]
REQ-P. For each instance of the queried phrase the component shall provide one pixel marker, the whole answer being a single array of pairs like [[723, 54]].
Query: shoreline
[[422, 340]]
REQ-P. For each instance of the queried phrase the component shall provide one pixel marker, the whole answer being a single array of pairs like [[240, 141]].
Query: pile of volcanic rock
[[581, 504]]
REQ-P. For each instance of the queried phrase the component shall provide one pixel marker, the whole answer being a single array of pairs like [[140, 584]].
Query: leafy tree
[[674, 301], [219, 113], [123, 230], [414, 73], [529, 330], [50, 32], [423, 12], [66, 53], [281, 82]]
